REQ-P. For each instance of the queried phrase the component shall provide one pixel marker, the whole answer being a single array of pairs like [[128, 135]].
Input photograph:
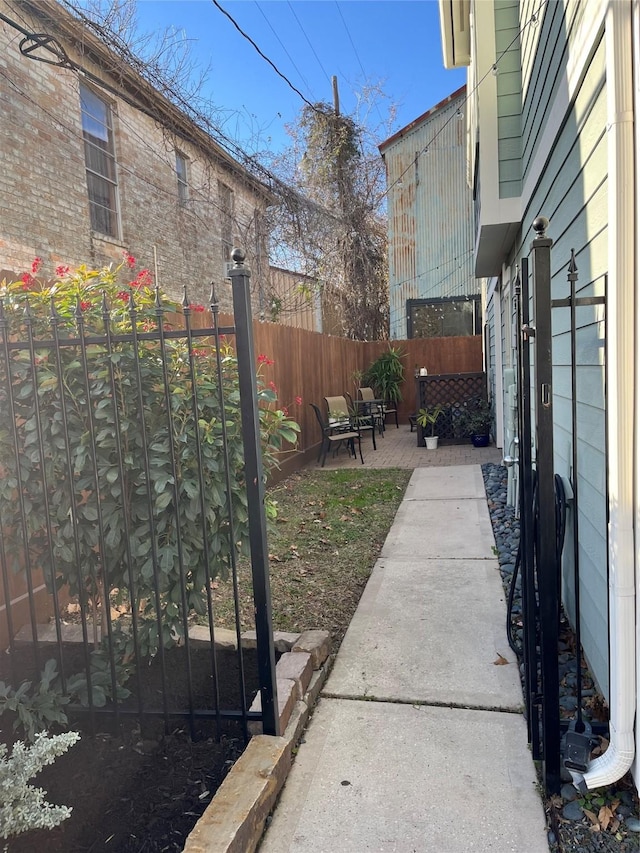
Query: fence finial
[[540, 225], [572, 272], [213, 299], [237, 256]]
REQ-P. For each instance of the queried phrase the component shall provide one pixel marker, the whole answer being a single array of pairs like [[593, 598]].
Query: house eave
[[455, 32], [493, 244]]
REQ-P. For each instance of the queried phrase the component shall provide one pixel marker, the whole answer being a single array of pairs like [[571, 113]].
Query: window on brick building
[[100, 162], [182, 175], [226, 203]]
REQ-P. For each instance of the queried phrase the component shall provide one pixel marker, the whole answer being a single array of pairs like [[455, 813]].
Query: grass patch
[[330, 529]]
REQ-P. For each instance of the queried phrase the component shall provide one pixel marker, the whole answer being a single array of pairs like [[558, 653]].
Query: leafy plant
[[429, 415], [476, 418], [112, 438], [22, 806], [386, 374], [35, 709]]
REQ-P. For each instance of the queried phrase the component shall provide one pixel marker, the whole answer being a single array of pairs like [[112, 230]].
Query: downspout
[[622, 380]]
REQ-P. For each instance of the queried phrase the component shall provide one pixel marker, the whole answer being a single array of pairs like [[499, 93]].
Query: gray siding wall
[[509, 95], [572, 193]]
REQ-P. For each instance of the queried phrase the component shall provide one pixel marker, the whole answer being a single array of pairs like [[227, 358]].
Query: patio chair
[[340, 414], [334, 435], [362, 415], [379, 407]]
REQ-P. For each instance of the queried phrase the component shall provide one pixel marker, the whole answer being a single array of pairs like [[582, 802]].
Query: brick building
[[99, 163]]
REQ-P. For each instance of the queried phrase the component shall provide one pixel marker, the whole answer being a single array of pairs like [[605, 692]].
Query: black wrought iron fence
[[131, 482]]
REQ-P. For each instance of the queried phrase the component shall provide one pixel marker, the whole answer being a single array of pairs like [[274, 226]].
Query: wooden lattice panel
[[454, 392]]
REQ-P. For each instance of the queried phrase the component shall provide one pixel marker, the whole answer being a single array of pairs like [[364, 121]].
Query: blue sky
[[391, 43]]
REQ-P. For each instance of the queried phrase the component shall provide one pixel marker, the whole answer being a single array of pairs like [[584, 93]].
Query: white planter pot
[[431, 442]]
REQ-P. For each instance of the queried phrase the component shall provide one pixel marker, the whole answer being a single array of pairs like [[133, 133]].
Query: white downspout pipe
[[622, 379]]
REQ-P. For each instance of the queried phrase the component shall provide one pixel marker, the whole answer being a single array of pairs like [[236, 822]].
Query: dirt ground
[[142, 792]]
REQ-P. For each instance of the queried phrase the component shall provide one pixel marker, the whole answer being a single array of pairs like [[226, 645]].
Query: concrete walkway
[[418, 742]]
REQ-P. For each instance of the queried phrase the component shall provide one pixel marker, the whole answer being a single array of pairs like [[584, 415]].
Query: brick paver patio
[[398, 449]]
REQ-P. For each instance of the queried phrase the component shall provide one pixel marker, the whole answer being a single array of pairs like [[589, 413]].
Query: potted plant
[[386, 374], [476, 422], [429, 416]]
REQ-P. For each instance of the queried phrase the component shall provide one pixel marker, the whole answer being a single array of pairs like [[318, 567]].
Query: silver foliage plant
[[23, 806]]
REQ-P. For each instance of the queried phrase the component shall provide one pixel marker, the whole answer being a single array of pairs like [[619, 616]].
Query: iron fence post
[[547, 562], [526, 485], [254, 474]]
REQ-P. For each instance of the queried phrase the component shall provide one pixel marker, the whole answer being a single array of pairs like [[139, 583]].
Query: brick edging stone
[[234, 820]]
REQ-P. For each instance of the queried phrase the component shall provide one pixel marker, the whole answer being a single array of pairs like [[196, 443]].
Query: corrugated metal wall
[[430, 213]]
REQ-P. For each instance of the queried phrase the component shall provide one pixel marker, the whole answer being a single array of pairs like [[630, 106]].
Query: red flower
[[264, 359], [298, 401], [62, 270], [143, 279], [201, 353], [129, 260], [272, 385], [198, 308], [124, 295], [27, 280], [35, 266], [285, 411], [85, 305]]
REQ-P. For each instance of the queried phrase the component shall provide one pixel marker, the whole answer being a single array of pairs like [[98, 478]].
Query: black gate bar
[[526, 486], [546, 538], [255, 480]]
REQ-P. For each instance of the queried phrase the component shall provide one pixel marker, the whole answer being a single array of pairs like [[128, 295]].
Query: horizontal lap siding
[[509, 98], [572, 194], [545, 49]]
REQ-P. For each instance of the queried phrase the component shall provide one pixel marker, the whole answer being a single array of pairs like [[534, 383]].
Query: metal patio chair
[[339, 412], [377, 407], [365, 417], [335, 434]]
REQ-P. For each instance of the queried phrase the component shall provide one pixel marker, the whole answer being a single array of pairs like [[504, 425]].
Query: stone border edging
[[234, 820]]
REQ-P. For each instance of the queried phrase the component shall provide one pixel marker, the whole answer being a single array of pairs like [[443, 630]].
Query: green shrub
[[90, 449]]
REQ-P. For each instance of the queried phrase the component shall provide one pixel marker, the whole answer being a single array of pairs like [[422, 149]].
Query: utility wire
[[265, 57], [364, 73], [324, 71], [250, 162], [533, 19], [283, 46]]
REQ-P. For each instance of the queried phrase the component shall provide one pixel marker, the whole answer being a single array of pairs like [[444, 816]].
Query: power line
[[364, 73], [283, 46], [533, 19], [265, 57], [308, 41], [253, 166]]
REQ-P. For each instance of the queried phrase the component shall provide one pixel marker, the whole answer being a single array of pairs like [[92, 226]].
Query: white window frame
[[108, 150], [182, 176]]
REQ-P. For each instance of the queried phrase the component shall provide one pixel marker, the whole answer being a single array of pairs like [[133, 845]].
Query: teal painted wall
[[572, 194], [509, 98]]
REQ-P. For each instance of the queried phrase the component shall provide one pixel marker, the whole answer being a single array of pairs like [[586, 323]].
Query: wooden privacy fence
[[311, 366]]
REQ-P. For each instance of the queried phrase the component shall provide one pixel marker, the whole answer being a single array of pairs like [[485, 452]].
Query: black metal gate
[[553, 741], [131, 468]]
